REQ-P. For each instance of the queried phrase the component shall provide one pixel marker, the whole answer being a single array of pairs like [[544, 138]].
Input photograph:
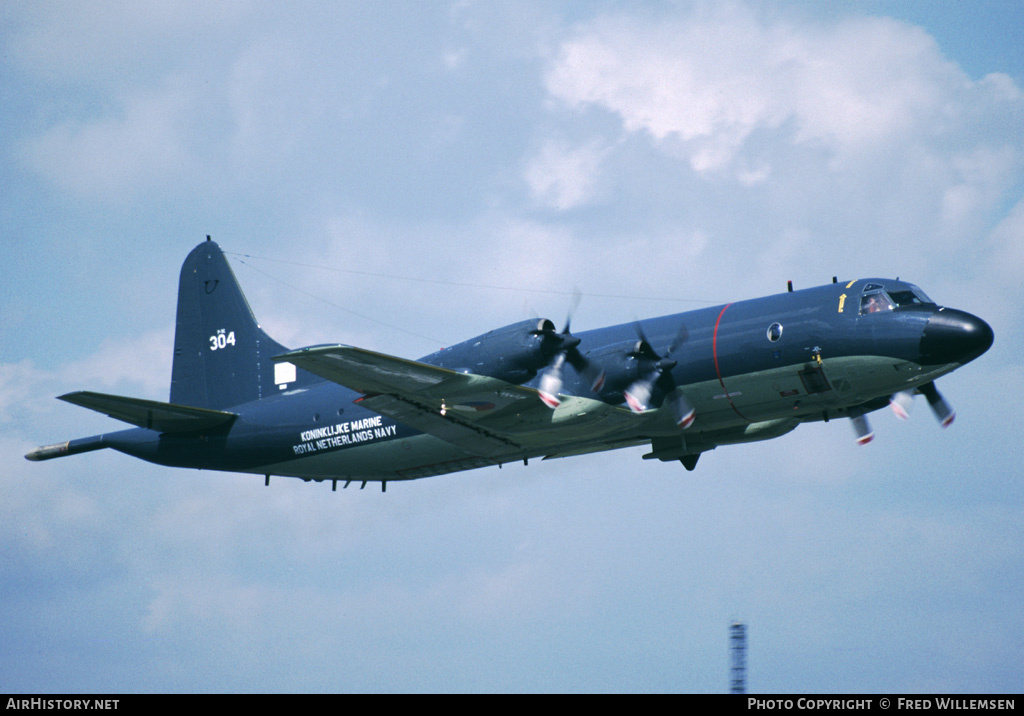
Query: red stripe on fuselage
[[718, 371]]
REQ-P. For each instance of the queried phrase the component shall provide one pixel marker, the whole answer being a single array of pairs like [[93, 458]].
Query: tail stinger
[[222, 359]]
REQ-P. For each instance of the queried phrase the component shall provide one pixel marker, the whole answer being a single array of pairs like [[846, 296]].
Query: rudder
[[221, 355]]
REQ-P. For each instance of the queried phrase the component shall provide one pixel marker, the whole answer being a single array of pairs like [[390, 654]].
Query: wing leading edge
[[481, 415]]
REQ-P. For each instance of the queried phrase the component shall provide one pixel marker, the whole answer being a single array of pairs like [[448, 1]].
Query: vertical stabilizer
[[221, 355]]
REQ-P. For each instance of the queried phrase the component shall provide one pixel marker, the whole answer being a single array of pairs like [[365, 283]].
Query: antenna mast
[[738, 649]]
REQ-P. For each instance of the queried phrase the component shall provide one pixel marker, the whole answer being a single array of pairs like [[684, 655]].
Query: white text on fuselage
[[343, 434]]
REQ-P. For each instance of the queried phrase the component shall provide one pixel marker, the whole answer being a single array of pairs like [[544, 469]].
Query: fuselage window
[[774, 332]]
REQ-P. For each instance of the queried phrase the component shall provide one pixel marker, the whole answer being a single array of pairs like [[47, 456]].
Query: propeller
[[564, 345], [901, 403], [943, 412], [551, 381], [864, 432], [656, 379]]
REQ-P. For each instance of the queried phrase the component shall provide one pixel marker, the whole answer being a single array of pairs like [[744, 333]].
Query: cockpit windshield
[[913, 296], [877, 299]]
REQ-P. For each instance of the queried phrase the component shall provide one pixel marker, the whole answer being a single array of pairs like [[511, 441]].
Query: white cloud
[[1006, 246], [142, 364], [186, 598], [703, 175], [454, 59], [273, 100], [101, 42], [977, 180], [703, 86], [848, 146], [145, 145], [565, 177], [139, 366]]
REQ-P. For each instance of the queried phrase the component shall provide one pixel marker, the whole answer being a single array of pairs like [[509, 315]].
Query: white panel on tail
[[284, 373]]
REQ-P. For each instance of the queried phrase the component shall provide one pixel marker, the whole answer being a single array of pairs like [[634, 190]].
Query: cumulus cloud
[[102, 42], [141, 363], [140, 366], [565, 177], [210, 598], [1006, 244], [850, 142], [142, 146], [705, 85], [273, 105], [704, 153]]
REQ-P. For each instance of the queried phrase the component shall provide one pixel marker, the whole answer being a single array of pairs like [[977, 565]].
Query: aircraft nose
[[953, 336]]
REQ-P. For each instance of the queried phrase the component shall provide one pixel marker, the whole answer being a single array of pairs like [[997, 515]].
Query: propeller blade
[[864, 432], [681, 335], [943, 411], [594, 374], [577, 296], [565, 348], [645, 345], [638, 395], [683, 412], [901, 403], [551, 382]]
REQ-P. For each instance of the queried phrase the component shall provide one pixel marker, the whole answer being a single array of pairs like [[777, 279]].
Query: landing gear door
[[814, 380]]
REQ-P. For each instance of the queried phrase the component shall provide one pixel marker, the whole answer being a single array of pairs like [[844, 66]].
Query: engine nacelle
[[622, 363], [515, 353]]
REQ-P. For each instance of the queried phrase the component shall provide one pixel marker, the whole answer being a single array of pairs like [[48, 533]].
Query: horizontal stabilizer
[[150, 414]]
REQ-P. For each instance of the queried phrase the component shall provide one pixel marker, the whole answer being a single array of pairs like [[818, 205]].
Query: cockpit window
[[909, 296], [905, 298], [874, 302], [876, 298], [920, 294]]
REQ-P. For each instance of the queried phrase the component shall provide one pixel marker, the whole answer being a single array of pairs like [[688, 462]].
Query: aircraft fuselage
[[752, 369]]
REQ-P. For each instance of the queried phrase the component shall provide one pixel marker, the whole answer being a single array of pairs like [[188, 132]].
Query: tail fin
[[221, 355]]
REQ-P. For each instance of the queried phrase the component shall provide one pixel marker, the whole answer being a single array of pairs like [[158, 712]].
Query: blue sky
[[350, 155]]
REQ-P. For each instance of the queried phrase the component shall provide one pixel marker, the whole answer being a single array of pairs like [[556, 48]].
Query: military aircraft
[[682, 384]]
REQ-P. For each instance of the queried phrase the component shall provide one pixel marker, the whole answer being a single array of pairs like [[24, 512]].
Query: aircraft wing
[[482, 415]]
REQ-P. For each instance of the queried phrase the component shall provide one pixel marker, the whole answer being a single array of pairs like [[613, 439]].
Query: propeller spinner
[[565, 348], [657, 380]]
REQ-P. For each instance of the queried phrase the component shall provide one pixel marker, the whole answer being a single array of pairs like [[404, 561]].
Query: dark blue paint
[[235, 372]]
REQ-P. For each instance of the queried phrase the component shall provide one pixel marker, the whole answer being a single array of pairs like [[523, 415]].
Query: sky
[[405, 175]]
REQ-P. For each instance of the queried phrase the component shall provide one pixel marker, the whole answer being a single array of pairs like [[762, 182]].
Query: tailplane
[[221, 355]]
